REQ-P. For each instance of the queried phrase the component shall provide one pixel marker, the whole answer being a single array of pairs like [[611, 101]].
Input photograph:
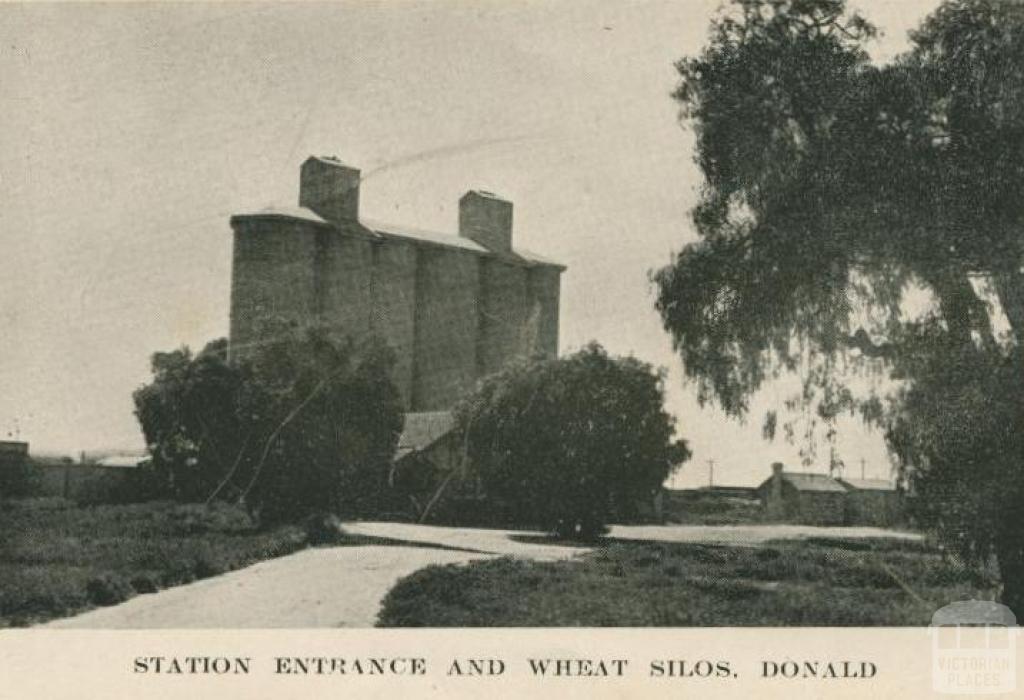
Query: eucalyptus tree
[[859, 215]]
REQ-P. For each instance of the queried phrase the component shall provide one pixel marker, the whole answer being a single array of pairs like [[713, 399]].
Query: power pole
[[711, 473]]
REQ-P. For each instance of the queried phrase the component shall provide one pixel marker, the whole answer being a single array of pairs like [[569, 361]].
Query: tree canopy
[[569, 443], [863, 215], [306, 423]]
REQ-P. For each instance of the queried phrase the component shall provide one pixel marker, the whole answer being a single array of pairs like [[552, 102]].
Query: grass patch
[[57, 559], [783, 583]]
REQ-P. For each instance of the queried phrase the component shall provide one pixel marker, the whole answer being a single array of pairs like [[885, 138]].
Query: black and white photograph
[[542, 314]]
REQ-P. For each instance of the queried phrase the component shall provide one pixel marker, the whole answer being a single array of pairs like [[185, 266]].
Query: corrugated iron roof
[[386, 230], [284, 211], [424, 429], [868, 484], [423, 235], [803, 481], [119, 461], [13, 447], [530, 256]]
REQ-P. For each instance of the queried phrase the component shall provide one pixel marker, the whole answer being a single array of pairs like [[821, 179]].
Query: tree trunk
[[1010, 288], [1010, 555], [1010, 542], [960, 306]]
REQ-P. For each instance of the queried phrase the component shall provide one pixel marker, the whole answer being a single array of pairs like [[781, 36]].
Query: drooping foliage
[[189, 419], [305, 423], [567, 444], [868, 216]]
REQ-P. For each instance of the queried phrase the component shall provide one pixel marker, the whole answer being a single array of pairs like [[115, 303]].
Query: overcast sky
[[130, 133]]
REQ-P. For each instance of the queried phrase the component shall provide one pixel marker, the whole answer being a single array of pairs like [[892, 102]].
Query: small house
[[872, 502], [426, 450], [820, 499], [427, 475], [14, 467], [802, 497]]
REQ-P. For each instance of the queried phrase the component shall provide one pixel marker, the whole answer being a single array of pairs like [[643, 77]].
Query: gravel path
[[319, 587], [344, 586], [532, 545], [747, 534]]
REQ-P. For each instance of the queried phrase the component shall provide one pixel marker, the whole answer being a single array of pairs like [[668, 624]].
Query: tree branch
[[862, 342], [1010, 289]]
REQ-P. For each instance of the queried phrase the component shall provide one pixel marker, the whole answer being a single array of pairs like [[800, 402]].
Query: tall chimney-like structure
[[487, 219], [775, 506], [330, 188]]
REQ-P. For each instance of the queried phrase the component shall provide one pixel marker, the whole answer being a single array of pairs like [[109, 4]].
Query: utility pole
[[862, 467], [711, 473]]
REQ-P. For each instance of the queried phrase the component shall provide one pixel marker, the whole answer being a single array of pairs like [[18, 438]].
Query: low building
[[820, 499], [428, 476], [742, 492], [802, 497], [872, 502], [426, 451], [13, 454], [14, 468]]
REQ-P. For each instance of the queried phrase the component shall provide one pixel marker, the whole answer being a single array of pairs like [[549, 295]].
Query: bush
[[108, 589], [323, 528], [145, 583], [305, 423], [684, 585], [57, 558], [568, 444]]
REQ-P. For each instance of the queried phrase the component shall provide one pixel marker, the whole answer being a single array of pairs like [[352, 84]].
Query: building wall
[[446, 327], [273, 274], [545, 286], [871, 507], [783, 503], [393, 313], [344, 280], [83, 483], [14, 468], [504, 304], [819, 507], [773, 499], [452, 316], [53, 480]]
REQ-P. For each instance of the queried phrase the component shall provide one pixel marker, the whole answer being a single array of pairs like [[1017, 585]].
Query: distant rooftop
[[869, 484], [285, 211], [422, 430], [804, 481], [423, 235]]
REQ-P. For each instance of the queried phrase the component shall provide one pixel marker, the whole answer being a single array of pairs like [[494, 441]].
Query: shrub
[[146, 582], [570, 443], [305, 423], [108, 589], [207, 564], [322, 528]]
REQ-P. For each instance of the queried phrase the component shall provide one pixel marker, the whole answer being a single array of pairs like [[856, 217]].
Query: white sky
[[130, 133]]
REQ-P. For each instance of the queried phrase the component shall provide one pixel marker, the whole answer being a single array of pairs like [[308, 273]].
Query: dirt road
[[344, 586], [526, 543], [320, 587]]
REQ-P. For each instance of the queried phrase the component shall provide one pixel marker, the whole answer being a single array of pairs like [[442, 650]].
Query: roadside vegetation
[[859, 226], [304, 423], [571, 444], [57, 559], [816, 582], [681, 508]]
